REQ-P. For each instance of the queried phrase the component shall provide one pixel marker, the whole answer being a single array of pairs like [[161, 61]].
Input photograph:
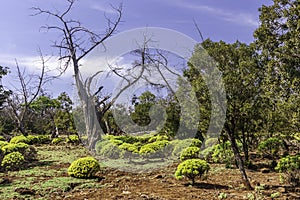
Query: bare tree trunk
[[239, 161]]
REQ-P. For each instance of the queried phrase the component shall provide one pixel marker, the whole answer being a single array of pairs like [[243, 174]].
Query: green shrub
[[222, 153], [179, 145], [127, 138], [20, 147], [153, 147], [84, 168], [43, 139], [129, 147], [108, 150], [73, 139], [270, 147], [158, 138], [190, 153], [57, 140], [211, 142], [29, 152], [116, 142], [19, 139], [13, 161], [3, 143], [289, 166], [2, 138], [32, 139], [191, 169]]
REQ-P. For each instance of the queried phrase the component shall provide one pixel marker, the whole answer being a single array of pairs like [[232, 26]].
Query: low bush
[[190, 153], [73, 139], [107, 149], [153, 147], [43, 139], [222, 153], [289, 166], [129, 147], [13, 161], [29, 152], [57, 140], [84, 168], [270, 147], [211, 142], [20, 147], [3, 143], [191, 169], [19, 139], [2, 138], [158, 138], [179, 145]]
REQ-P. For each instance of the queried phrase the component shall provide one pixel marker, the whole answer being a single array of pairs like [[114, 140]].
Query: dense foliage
[[84, 168]]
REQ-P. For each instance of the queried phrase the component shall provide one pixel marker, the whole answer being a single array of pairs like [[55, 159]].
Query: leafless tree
[[30, 87], [75, 44]]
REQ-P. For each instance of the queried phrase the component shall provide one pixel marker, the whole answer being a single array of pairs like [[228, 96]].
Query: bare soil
[[161, 185]]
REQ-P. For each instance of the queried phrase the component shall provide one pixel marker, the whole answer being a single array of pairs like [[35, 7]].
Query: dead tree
[[76, 43], [22, 97]]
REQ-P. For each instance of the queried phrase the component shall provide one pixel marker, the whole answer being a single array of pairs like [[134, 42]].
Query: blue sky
[[20, 35]]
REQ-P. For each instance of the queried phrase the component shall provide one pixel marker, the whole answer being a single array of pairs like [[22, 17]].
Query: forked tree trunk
[[92, 127], [239, 161]]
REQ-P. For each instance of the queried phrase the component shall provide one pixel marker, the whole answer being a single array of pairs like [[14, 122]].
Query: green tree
[[277, 38], [241, 73], [3, 93]]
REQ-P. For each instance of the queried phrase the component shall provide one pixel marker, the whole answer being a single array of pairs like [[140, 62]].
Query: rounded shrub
[[19, 139], [13, 161], [29, 152], [179, 145], [73, 139], [191, 169], [84, 168], [289, 166], [57, 140], [270, 147], [190, 153], [9, 148]]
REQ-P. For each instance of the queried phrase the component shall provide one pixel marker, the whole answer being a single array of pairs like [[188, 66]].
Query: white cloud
[[240, 18], [103, 8]]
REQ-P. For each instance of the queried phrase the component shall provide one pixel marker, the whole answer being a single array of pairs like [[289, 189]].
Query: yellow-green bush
[[84, 168], [19, 139], [190, 153], [108, 149], [191, 169], [57, 140], [3, 143], [13, 161], [153, 147], [289, 166], [29, 152], [73, 139], [9, 148], [2, 138]]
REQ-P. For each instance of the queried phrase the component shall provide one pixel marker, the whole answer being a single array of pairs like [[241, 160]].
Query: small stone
[[265, 170], [126, 192], [282, 189]]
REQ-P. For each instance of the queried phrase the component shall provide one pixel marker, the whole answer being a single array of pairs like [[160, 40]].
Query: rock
[[25, 191], [265, 170], [282, 189]]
